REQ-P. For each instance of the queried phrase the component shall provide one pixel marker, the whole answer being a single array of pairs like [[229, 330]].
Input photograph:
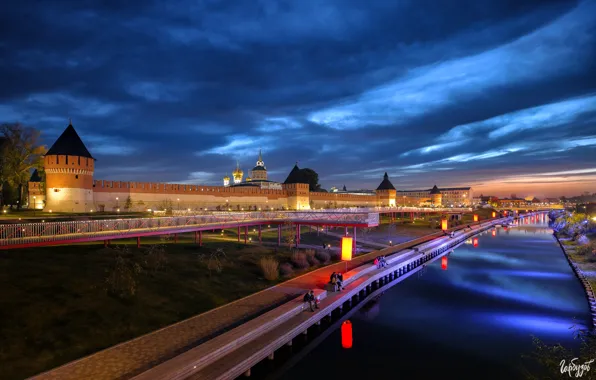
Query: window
[[77, 176]]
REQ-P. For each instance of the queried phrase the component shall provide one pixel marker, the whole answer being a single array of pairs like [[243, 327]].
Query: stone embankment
[[582, 277]]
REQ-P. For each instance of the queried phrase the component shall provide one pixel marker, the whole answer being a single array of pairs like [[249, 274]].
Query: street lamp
[[34, 205]]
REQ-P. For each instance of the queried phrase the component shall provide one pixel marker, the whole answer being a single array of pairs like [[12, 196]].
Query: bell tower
[[69, 171], [259, 172]]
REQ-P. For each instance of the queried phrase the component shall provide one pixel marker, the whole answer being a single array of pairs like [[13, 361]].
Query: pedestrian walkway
[[362, 241], [138, 355]]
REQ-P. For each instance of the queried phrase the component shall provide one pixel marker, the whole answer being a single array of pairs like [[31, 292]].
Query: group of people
[[337, 280], [380, 262], [312, 301], [450, 234]]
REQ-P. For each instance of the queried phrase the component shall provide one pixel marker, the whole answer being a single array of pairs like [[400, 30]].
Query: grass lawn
[[55, 307]]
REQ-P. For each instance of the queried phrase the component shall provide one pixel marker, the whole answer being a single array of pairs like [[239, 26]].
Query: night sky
[[496, 94]]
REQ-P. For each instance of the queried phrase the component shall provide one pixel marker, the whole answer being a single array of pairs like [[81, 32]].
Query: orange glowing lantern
[[444, 263], [346, 248], [475, 242], [494, 214], [444, 224], [494, 233], [346, 334], [475, 217]]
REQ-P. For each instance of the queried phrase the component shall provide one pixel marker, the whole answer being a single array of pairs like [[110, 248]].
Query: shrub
[[588, 249], [334, 255], [299, 260], [270, 268], [121, 281], [323, 256], [286, 269], [155, 258], [310, 257]]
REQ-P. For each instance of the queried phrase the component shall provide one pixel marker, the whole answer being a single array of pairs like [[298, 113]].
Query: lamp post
[[178, 204], [34, 205]]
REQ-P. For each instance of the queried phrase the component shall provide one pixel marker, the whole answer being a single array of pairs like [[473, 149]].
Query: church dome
[[237, 171]]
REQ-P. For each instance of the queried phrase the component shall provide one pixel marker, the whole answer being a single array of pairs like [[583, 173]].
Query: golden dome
[[237, 171], [226, 177]]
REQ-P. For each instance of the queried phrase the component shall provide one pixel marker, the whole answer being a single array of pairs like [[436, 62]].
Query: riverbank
[[585, 269]]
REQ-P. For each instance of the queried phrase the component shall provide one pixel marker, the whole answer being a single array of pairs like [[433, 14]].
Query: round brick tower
[[436, 198], [69, 174]]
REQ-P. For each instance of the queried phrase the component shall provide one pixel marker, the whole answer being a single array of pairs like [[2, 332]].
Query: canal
[[473, 315]]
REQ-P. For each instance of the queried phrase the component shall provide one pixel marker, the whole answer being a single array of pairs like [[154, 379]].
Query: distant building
[[437, 197]]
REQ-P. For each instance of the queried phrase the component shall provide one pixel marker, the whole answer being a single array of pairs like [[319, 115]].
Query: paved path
[[363, 241], [138, 355]]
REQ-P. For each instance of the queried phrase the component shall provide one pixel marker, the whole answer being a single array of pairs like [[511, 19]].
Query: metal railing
[[28, 233], [330, 211]]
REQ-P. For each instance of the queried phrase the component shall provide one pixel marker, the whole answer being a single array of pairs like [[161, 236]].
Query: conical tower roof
[[435, 190], [69, 144], [386, 184], [294, 176], [35, 177]]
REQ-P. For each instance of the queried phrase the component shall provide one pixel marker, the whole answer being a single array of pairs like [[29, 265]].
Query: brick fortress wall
[[112, 195]]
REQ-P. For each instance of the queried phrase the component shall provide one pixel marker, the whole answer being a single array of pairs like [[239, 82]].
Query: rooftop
[[69, 144], [386, 183]]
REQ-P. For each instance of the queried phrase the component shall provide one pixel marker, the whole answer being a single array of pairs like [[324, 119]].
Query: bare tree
[[289, 233], [21, 153], [214, 260]]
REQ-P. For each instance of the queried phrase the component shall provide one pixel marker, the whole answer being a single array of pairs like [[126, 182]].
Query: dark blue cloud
[[461, 92]]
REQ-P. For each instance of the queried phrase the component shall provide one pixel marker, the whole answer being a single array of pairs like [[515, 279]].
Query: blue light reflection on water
[[477, 316]]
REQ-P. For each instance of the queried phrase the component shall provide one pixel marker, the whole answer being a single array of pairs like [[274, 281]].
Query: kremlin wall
[[70, 187]]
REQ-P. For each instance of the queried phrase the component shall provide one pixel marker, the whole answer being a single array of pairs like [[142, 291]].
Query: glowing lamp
[[494, 233], [475, 217], [444, 224], [494, 214], [346, 334], [475, 242], [444, 263], [346, 248]]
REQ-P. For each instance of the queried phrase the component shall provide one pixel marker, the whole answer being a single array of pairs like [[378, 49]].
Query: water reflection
[[475, 318]]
